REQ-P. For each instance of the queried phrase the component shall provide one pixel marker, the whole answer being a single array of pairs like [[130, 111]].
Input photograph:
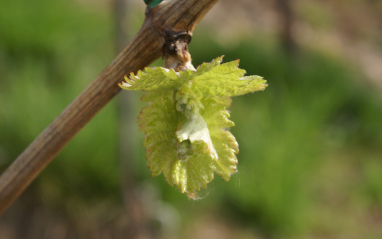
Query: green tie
[[152, 3]]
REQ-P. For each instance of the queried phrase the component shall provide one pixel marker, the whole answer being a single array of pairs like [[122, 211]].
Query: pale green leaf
[[222, 80], [186, 124], [152, 79]]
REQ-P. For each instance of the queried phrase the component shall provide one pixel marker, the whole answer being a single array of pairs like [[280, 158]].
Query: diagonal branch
[[176, 15]]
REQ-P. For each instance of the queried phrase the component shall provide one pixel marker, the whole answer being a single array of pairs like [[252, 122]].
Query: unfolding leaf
[[186, 124]]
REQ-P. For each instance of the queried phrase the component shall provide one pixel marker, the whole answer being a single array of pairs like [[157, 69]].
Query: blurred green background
[[310, 161]]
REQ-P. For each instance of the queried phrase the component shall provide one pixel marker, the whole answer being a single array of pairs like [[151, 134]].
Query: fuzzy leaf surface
[[186, 122]]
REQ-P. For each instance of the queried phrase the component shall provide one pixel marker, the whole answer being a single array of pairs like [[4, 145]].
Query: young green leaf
[[186, 124]]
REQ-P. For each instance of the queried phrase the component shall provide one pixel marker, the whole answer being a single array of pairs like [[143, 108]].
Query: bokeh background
[[310, 161]]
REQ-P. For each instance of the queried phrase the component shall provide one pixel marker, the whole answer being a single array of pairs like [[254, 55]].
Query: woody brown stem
[[142, 50], [175, 50]]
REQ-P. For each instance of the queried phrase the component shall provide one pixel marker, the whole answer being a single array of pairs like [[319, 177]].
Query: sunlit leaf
[[186, 124]]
